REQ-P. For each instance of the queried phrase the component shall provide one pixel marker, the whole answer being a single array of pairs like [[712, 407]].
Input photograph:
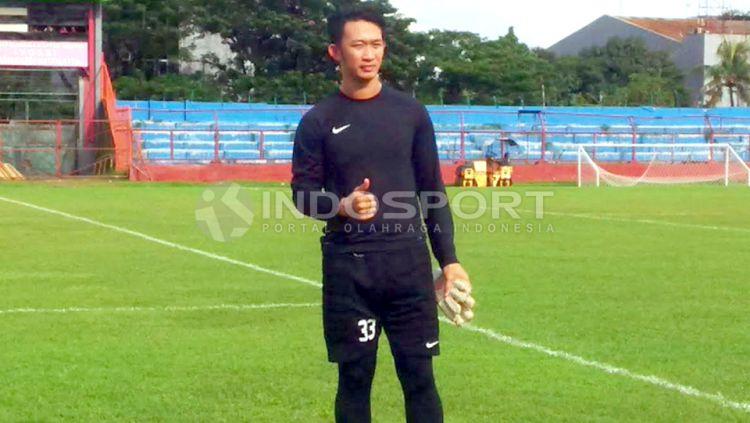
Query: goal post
[[734, 157], [660, 164]]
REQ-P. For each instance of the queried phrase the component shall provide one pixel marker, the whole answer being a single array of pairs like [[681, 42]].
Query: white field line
[[645, 221], [168, 309], [165, 243], [607, 368], [627, 220]]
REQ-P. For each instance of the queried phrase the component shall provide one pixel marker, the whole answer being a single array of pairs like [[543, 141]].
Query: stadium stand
[[192, 132]]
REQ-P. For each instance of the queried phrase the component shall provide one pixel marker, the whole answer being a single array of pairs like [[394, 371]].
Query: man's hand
[[361, 204], [455, 272], [453, 294]]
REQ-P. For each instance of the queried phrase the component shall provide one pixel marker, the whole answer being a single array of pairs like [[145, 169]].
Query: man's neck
[[361, 90]]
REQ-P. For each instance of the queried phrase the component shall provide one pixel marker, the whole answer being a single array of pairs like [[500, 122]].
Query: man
[[362, 159]]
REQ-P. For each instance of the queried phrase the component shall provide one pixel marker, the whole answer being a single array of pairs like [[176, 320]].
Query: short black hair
[[337, 21]]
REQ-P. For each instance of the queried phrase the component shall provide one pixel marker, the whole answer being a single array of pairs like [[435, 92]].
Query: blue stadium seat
[[241, 154], [238, 145], [240, 126], [279, 154], [156, 154]]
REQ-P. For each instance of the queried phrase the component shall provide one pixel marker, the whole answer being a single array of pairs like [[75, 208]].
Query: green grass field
[[649, 285]]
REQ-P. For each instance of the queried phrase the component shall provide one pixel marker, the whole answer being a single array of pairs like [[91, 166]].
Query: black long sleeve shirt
[[388, 139]]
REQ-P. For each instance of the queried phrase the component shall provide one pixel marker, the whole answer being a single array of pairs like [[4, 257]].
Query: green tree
[[644, 89], [281, 56], [612, 65], [464, 68], [285, 42], [731, 73], [143, 35], [168, 87], [621, 72]]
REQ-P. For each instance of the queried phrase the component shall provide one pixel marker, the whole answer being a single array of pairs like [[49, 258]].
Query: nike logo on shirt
[[336, 130], [429, 345]]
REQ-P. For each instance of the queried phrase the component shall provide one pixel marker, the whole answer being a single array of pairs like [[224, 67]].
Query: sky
[[541, 23]]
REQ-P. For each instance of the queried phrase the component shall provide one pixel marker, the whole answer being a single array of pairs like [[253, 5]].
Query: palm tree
[[732, 72]]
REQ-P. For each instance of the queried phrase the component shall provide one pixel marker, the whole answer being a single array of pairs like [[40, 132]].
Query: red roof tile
[[678, 29]]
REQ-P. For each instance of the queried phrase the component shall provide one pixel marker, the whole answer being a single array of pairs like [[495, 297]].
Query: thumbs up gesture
[[361, 204]]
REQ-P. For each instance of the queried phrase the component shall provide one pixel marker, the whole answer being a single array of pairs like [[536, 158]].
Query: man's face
[[360, 52]]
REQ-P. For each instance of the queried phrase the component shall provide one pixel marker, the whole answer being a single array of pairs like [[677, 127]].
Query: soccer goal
[[625, 165]]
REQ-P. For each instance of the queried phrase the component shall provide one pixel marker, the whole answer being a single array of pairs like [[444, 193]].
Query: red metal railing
[[120, 119]]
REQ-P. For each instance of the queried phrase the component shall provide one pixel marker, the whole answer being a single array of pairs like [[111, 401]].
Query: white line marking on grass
[[607, 368], [645, 221], [135, 309], [627, 220], [165, 243]]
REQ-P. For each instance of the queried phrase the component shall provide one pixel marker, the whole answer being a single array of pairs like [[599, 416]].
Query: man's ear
[[334, 52]]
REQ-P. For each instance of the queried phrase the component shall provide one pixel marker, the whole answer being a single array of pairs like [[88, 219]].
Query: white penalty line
[[496, 336], [167, 309]]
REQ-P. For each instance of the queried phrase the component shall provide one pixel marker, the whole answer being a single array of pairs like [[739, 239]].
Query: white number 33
[[367, 326]]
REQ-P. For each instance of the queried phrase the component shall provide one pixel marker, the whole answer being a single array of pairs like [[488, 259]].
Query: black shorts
[[369, 290]]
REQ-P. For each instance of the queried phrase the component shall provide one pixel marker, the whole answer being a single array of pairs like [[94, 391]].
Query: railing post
[[462, 136], [58, 148], [593, 152], [216, 138], [543, 147], [133, 145], [502, 146], [138, 139], [634, 140], [711, 139], [261, 145], [171, 144]]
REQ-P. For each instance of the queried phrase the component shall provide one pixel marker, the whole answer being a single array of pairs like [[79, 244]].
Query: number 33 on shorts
[[367, 326]]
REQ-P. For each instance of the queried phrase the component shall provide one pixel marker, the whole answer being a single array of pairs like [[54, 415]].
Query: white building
[[200, 47]]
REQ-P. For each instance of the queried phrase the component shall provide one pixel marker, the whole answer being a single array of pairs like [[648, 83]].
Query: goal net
[[625, 165]]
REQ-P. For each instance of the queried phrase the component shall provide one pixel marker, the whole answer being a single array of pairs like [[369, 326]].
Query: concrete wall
[[689, 58]]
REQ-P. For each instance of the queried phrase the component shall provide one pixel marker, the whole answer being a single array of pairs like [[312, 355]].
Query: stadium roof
[[678, 29]]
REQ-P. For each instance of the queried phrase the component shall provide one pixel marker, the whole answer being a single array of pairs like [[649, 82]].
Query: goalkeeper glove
[[457, 304]]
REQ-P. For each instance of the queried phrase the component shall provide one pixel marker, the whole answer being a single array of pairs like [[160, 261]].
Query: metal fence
[[45, 149]]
